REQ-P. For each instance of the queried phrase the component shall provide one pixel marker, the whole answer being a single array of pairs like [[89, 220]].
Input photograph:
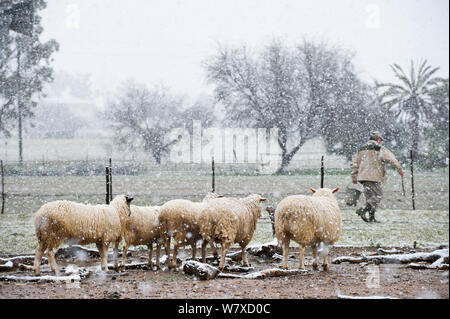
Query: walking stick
[[403, 187]]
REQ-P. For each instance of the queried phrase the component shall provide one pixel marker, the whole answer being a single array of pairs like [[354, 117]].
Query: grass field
[[428, 225]]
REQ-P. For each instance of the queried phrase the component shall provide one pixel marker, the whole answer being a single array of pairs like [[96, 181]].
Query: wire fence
[[60, 179]]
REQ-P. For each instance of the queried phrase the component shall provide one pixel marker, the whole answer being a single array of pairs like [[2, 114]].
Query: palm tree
[[410, 100]]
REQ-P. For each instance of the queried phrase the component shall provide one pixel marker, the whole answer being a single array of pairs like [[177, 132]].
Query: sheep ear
[[262, 199], [219, 196], [335, 190], [312, 190]]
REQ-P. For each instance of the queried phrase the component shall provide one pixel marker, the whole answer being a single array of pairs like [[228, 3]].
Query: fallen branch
[[381, 251], [135, 265], [230, 268], [364, 297], [398, 258], [8, 266], [440, 264], [41, 278], [76, 251], [273, 272], [26, 260], [72, 274]]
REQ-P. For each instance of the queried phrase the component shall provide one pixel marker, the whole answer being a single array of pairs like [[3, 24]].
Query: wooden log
[[273, 272], [266, 250], [381, 251], [8, 266], [46, 278], [230, 268], [76, 251], [27, 260], [396, 258], [133, 265], [364, 297], [23, 267], [200, 270]]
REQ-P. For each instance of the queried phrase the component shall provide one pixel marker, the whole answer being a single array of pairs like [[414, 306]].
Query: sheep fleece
[[142, 225], [308, 219], [230, 220], [61, 220]]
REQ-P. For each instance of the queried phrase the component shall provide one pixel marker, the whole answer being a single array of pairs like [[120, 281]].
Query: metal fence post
[[213, 175], [413, 195], [110, 180], [107, 185], [322, 172], [3, 186]]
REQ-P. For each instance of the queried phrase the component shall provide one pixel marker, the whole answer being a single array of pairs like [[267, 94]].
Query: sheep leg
[[194, 251], [325, 262], [103, 250], [158, 253], [173, 261], [150, 255], [40, 249], [224, 253], [244, 257], [204, 244], [285, 243], [116, 256], [301, 251], [215, 253], [52, 261], [124, 256], [167, 248], [315, 262], [105, 247], [100, 251]]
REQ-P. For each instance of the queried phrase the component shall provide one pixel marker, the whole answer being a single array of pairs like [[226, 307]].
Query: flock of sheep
[[308, 220]]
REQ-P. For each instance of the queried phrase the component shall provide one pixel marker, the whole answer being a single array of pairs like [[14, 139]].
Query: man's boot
[[362, 212], [372, 216]]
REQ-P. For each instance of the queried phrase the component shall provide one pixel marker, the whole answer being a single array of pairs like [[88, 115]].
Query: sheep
[[179, 219], [60, 221], [308, 220], [143, 228], [228, 221]]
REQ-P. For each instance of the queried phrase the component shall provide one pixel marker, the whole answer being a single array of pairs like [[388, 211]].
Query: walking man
[[368, 168]]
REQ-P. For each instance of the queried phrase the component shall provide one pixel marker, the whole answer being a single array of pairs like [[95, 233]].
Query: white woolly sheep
[[60, 221], [143, 228], [228, 221], [308, 220], [179, 219]]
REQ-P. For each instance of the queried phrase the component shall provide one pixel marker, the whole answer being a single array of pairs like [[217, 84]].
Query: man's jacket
[[369, 163]]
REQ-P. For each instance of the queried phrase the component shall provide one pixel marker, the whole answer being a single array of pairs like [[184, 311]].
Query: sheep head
[[122, 203], [128, 200], [324, 191]]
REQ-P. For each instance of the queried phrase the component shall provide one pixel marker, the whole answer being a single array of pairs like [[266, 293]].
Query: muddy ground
[[354, 280]]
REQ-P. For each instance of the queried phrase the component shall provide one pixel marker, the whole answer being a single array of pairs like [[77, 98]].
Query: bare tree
[[293, 89], [142, 117]]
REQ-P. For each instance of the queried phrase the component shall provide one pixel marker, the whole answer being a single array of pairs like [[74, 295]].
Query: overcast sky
[[165, 41]]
